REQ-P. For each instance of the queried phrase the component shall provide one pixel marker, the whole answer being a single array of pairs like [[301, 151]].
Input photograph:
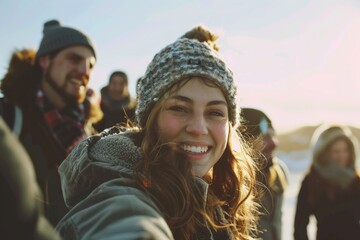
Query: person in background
[[116, 103], [48, 105], [331, 189], [21, 207], [257, 128], [182, 173]]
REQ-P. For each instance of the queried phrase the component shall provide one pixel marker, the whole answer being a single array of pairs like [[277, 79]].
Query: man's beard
[[69, 99]]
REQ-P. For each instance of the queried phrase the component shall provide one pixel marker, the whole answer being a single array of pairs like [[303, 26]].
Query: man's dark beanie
[[57, 37]]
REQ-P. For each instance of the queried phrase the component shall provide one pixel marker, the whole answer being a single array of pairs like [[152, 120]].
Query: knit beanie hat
[[57, 37], [255, 121], [182, 59]]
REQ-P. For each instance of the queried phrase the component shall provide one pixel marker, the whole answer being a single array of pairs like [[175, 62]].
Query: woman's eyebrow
[[189, 100], [182, 98], [217, 102]]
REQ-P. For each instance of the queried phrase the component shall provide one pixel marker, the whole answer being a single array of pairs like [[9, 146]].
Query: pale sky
[[298, 60]]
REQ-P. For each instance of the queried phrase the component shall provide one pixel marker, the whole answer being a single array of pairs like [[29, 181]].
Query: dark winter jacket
[[329, 191], [337, 219], [105, 201], [115, 111], [21, 199]]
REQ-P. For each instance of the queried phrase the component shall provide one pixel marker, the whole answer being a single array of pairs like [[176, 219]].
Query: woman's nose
[[197, 125]]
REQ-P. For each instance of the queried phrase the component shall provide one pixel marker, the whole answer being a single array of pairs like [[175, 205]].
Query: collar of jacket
[[101, 158], [96, 160]]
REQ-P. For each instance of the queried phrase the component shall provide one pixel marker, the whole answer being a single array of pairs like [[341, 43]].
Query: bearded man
[[47, 104]]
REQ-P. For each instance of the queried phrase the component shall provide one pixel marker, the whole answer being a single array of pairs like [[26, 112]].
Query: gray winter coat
[[104, 200]]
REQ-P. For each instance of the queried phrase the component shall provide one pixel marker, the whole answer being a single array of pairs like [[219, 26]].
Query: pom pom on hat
[[50, 24]]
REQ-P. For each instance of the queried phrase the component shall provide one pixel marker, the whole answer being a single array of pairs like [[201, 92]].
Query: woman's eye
[[177, 109], [217, 113]]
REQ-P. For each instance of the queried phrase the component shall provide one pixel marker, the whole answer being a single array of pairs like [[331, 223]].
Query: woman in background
[[331, 189]]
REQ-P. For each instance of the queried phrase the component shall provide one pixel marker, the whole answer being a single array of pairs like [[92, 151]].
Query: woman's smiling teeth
[[194, 149]]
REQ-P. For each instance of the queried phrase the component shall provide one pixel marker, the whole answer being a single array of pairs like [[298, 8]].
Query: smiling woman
[[183, 172], [197, 124], [330, 190]]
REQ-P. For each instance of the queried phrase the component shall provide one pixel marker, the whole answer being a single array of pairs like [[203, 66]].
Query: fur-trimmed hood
[[22, 77], [96, 160], [111, 154], [327, 134]]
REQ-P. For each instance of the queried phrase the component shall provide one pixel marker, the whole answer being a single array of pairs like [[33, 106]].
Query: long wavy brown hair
[[170, 183]]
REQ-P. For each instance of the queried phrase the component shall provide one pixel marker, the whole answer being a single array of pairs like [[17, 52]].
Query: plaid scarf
[[67, 124]]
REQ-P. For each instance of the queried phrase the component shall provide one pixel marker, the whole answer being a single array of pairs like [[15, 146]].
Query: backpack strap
[[18, 121], [12, 115]]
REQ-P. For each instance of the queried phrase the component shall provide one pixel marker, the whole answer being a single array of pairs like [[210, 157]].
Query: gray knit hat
[[182, 59], [57, 37]]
